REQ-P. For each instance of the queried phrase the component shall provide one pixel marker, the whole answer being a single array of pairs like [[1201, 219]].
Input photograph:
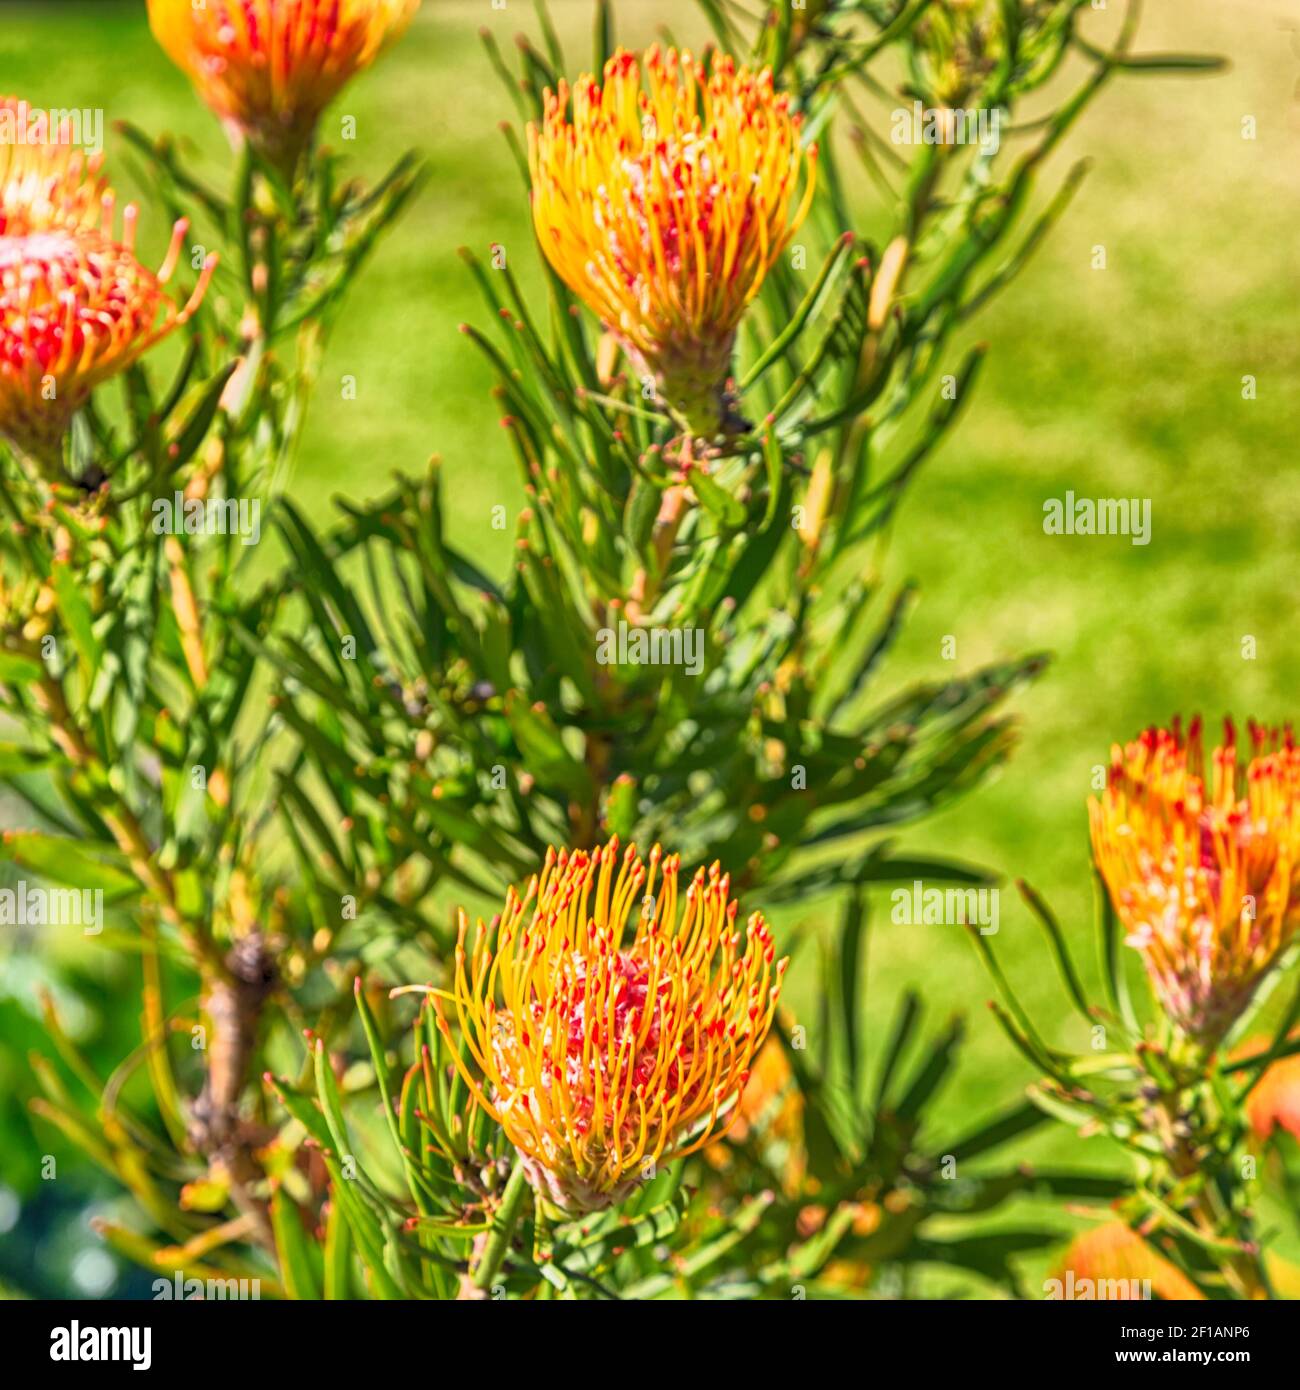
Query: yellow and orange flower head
[[269, 68], [604, 1052], [76, 308], [1203, 867], [662, 203], [45, 180]]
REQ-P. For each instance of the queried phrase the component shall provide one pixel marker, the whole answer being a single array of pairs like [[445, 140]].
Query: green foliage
[[1179, 1109], [279, 782]]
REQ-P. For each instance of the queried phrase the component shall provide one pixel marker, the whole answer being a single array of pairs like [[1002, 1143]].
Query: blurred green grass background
[[1122, 381]]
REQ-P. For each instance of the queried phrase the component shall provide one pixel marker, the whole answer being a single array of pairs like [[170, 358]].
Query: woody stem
[[645, 586]]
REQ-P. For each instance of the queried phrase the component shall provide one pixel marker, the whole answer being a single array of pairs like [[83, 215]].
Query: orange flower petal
[[1111, 1261], [1275, 1099]]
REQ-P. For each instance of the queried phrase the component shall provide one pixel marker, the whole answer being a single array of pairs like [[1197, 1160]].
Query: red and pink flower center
[[606, 1011]]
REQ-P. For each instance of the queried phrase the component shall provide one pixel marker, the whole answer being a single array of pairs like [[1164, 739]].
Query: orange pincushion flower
[[1274, 1101], [606, 1056], [1111, 1261], [1206, 879], [663, 209], [76, 308], [269, 68], [45, 180]]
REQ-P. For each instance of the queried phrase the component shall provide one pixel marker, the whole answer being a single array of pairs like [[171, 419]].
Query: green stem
[[1190, 1094], [503, 1227]]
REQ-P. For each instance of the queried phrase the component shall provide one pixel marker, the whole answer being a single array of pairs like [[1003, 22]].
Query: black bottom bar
[[203, 1341]]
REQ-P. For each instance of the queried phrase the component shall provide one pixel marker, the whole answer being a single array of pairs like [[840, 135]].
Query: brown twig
[[218, 1129]]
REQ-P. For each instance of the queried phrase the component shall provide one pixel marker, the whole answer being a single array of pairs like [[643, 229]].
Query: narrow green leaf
[[299, 1257], [852, 933], [1056, 940]]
